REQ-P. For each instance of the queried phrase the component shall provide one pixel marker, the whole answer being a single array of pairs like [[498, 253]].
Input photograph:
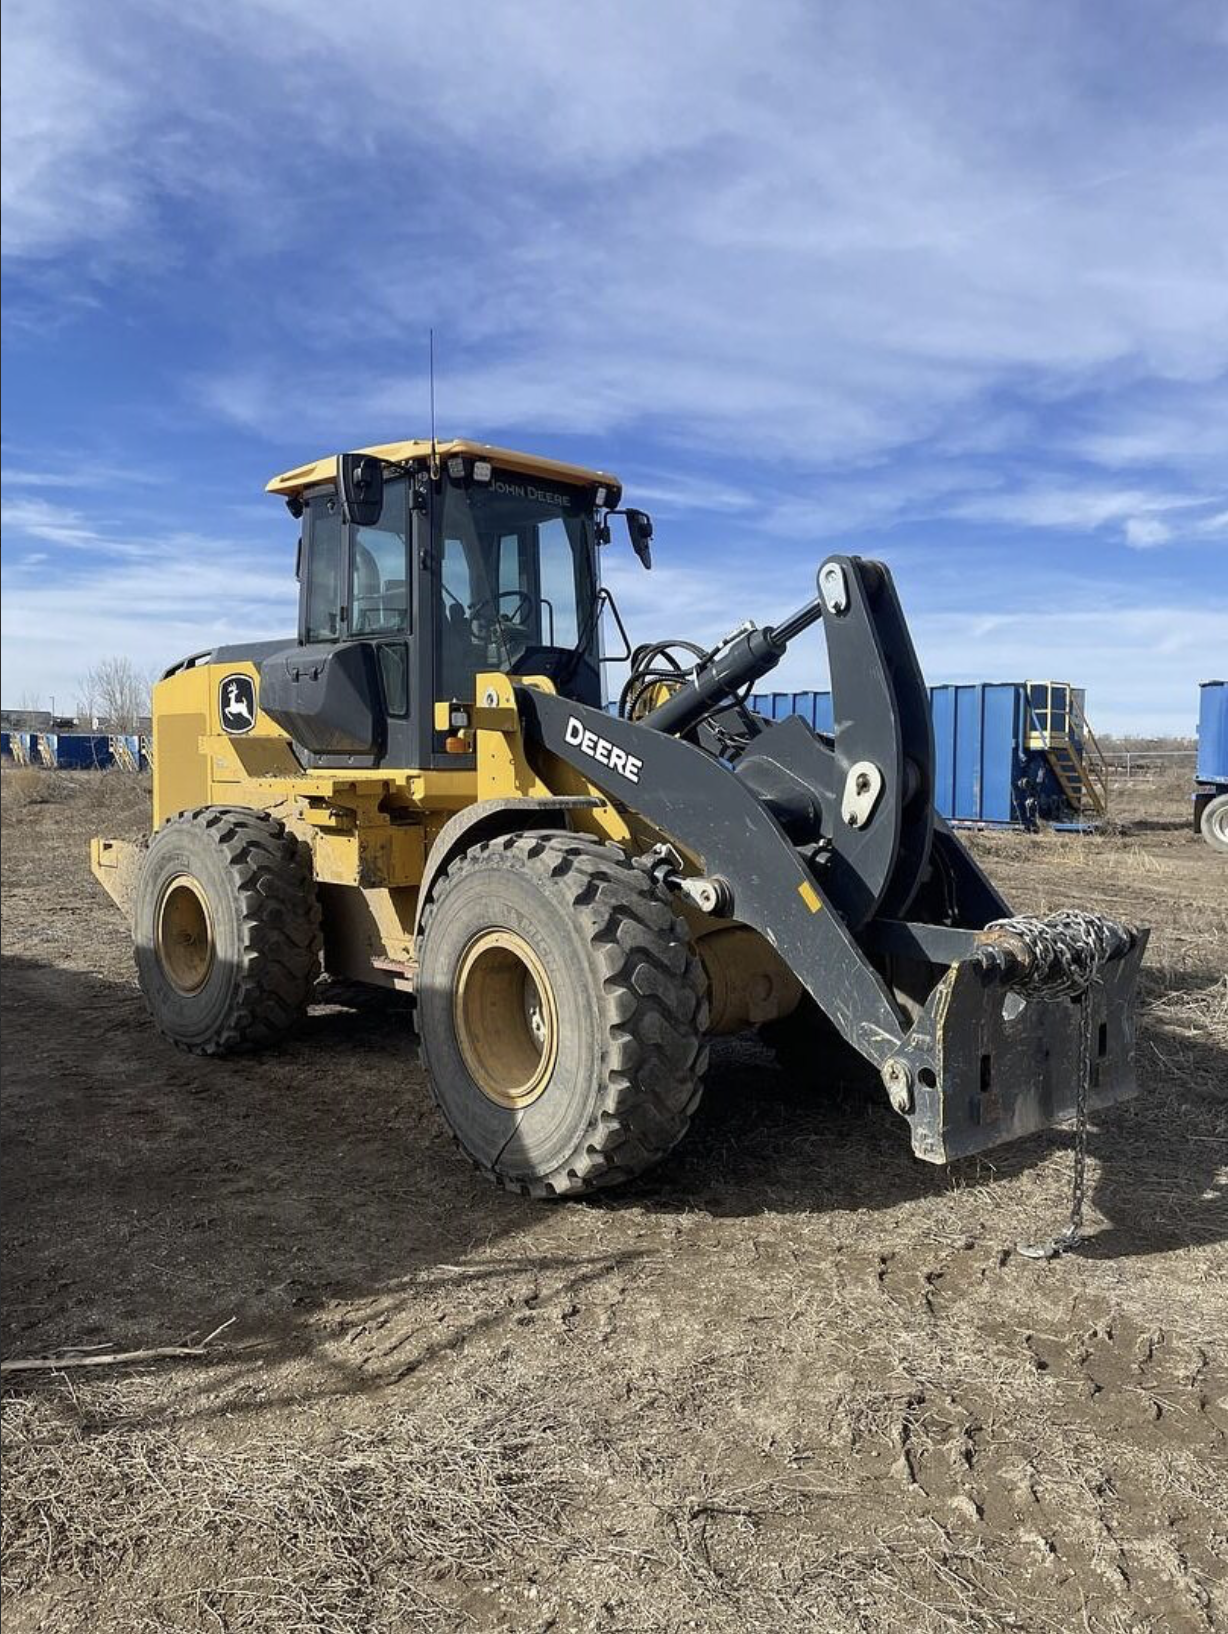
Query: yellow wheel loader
[[423, 790]]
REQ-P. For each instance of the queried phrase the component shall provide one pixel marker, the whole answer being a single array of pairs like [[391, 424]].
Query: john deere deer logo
[[237, 704]]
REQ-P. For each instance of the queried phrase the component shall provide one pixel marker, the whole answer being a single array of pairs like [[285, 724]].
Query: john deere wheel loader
[[424, 792]]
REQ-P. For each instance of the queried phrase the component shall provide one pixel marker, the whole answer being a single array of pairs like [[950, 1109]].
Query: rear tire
[[1214, 823], [562, 1012], [226, 927]]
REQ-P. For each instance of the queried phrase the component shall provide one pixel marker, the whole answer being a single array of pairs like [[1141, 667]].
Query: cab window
[[322, 589], [379, 577], [515, 580], [560, 594]]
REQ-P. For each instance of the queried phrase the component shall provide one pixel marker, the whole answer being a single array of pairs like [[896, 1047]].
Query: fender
[[483, 821]]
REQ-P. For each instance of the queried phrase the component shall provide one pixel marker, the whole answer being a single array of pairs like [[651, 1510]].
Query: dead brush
[[25, 786], [359, 1526], [79, 800]]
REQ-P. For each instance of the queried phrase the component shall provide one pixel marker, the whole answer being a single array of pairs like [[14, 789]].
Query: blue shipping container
[[83, 751], [1213, 732], [980, 753], [78, 751]]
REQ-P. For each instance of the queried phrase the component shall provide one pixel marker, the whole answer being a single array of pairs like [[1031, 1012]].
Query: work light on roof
[[481, 470], [456, 467]]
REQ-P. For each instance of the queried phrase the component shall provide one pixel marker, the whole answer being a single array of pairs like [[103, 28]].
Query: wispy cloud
[[922, 280], [57, 524], [181, 596], [1147, 517], [80, 476]]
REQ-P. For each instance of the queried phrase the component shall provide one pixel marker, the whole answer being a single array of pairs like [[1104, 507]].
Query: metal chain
[[1071, 1234], [1065, 954]]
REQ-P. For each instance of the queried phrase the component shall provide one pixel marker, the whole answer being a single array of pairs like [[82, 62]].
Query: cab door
[[346, 692]]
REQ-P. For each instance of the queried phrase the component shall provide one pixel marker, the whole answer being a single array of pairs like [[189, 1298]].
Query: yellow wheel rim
[[184, 934], [506, 1018]]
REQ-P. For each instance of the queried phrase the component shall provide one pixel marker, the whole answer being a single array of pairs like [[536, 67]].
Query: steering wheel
[[521, 615]]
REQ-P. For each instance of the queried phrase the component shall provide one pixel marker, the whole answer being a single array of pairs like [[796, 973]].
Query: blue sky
[[945, 284]]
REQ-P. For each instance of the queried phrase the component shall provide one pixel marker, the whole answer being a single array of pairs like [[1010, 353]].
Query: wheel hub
[[506, 1018], [183, 934]]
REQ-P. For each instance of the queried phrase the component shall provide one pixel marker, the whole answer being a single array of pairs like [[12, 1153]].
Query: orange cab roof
[[325, 470]]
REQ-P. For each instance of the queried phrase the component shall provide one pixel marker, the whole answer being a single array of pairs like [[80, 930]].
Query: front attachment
[[987, 1062]]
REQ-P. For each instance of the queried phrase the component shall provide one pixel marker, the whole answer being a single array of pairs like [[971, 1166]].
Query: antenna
[[431, 356]]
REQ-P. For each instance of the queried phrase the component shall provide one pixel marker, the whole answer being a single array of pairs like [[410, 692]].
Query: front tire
[[226, 927], [562, 1013]]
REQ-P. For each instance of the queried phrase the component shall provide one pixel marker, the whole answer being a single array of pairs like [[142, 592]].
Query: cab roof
[[325, 470]]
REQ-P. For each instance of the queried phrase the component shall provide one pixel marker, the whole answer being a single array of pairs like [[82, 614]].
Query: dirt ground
[[792, 1380]]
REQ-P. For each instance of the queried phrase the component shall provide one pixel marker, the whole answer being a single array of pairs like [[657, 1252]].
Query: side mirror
[[639, 528], [360, 481]]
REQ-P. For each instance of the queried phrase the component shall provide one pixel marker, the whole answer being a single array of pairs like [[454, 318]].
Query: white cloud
[[822, 235], [186, 594], [1185, 429], [82, 474], [1148, 517], [71, 119], [57, 524], [1142, 532], [839, 268]]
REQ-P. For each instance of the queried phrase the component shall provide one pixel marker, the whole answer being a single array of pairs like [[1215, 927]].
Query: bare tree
[[117, 692], [86, 706]]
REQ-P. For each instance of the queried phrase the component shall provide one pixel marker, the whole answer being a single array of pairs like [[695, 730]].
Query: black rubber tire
[[632, 1012], [1214, 823], [256, 880]]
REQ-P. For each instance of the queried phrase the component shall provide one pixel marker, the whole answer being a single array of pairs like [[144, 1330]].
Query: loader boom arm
[[829, 848], [875, 839]]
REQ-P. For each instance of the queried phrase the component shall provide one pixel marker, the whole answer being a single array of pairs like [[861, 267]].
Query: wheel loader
[[424, 790]]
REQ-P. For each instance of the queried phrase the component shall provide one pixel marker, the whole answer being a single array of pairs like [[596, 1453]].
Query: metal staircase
[[1058, 727], [122, 753]]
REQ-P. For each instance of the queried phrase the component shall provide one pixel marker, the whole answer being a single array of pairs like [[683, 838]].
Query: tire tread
[[652, 993], [280, 926]]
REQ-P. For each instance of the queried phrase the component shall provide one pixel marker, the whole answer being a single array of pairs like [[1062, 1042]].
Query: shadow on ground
[[150, 1194]]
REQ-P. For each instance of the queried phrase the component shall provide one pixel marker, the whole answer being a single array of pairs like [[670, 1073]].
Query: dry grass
[[25, 786], [795, 1381], [84, 799], [336, 1536]]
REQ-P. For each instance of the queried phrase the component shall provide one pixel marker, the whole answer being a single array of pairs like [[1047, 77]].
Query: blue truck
[[1211, 772]]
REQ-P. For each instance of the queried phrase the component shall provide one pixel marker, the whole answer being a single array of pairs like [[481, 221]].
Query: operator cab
[[420, 568]]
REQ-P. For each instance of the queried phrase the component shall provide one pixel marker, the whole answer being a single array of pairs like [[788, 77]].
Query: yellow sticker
[[810, 896]]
